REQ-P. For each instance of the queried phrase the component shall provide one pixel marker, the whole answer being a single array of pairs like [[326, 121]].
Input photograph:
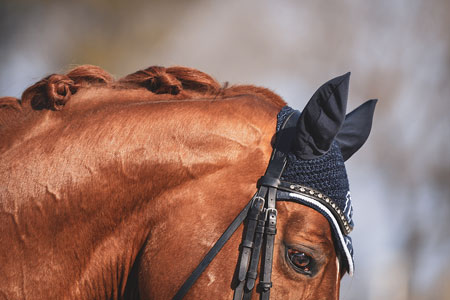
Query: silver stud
[[338, 211], [302, 189], [311, 192], [333, 205], [327, 200], [292, 186], [320, 195]]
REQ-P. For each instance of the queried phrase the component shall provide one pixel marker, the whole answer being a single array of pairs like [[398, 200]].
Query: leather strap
[[252, 274], [247, 243], [212, 253], [246, 252], [265, 282]]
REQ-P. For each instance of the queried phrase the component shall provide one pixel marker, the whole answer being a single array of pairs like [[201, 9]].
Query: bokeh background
[[398, 51]]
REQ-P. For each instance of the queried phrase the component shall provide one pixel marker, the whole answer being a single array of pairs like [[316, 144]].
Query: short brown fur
[[116, 189]]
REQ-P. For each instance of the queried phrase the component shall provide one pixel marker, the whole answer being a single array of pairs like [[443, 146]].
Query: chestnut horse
[[117, 189]]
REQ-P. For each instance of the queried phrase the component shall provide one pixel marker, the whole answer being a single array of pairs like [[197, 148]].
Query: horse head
[[118, 189]]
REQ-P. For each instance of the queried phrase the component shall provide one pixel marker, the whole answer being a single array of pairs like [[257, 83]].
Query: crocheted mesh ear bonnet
[[325, 174], [321, 178]]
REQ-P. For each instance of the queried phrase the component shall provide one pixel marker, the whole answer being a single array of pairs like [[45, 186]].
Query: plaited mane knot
[[157, 80], [59, 90], [52, 92]]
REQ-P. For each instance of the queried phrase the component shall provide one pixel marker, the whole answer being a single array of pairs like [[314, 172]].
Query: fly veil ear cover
[[323, 120], [325, 138]]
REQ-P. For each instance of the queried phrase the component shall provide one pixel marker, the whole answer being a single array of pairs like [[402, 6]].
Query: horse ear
[[322, 118], [356, 128]]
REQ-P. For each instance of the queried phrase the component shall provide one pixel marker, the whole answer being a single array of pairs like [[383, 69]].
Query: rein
[[261, 215]]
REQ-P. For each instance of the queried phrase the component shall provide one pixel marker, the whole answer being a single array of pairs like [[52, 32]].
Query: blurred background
[[398, 51]]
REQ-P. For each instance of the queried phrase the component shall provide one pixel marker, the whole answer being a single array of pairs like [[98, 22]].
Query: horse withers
[[118, 189]]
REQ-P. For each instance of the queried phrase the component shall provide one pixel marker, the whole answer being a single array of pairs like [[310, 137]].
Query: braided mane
[[54, 91]]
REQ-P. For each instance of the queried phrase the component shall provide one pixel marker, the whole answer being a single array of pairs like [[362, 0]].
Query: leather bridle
[[261, 215]]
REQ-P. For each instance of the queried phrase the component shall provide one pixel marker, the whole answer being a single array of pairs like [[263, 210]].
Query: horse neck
[[106, 172]]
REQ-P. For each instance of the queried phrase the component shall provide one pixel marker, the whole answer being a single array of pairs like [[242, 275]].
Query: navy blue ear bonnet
[[319, 179], [315, 174]]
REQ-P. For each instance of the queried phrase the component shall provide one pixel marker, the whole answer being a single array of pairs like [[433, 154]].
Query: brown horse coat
[[116, 190]]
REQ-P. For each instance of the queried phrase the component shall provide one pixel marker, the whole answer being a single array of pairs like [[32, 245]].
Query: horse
[[116, 189]]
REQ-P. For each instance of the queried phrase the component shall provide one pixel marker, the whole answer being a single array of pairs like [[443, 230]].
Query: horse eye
[[301, 262]]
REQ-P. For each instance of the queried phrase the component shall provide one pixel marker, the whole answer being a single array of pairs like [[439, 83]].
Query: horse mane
[[55, 90]]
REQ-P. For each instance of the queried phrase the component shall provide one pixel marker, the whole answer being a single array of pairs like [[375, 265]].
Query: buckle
[[270, 209], [260, 201]]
